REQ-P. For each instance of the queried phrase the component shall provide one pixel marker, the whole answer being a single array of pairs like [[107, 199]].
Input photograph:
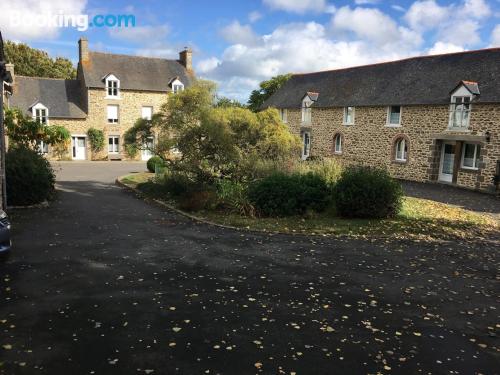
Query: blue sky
[[239, 44]]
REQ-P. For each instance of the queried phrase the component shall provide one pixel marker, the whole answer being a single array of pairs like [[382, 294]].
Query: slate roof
[[413, 81], [61, 96], [134, 72]]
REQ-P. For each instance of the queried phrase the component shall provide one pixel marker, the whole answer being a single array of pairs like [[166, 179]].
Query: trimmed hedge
[[153, 162], [286, 195], [365, 192], [30, 178]]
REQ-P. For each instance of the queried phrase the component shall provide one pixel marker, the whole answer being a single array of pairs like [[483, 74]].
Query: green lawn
[[419, 219]]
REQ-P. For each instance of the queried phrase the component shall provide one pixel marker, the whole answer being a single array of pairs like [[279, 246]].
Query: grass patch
[[419, 219]]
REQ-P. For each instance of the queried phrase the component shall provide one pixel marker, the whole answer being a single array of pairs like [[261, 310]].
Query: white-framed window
[[348, 115], [112, 113], [43, 147], [394, 115], [40, 114], [113, 144], [177, 86], [337, 144], [284, 115], [470, 156], [306, 110], [112, 87], [460, 112], [147, 112], [306, 145], [401, 151]]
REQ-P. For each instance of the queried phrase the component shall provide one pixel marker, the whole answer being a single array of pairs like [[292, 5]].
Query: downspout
[[2, 148]]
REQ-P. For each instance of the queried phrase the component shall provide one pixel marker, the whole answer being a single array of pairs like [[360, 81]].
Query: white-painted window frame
[[389, 111], [401, 154], [150, 116], [477, 151], [177, 86], [284, 115], [111, 120], [114, 147], [40, 113], [346, 115], [307, 110], [338, 144], [462, 105], [112, 84]]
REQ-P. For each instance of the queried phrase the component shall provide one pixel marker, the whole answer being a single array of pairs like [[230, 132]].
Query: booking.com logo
[[79, 21]]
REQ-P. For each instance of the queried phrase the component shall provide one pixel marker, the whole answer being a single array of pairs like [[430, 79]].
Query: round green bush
[[364, 192], [30, 178], [153, 162], [286, 195]]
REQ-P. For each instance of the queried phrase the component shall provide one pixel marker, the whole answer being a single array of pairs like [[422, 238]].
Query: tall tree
[[33, 62], [267, 88]]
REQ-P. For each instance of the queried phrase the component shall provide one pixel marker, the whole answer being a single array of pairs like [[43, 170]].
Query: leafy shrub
[[177, 184], [153, 162], [30, 178], [96, 139], [233, 196], [365, 192], [328, 169], [286, 195]]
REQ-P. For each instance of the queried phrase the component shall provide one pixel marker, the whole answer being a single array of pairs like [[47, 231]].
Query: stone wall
[[371, 142], [130, 107]]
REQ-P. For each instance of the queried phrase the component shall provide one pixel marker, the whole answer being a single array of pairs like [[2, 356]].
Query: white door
[[306, 145], [147, 154], [78, 148], [447, 163]]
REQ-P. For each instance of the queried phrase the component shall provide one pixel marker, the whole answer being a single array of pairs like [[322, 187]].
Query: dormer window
[[460, 112], [306, 110], [177, 85], [112, 86], [460, 107], [40, 114]]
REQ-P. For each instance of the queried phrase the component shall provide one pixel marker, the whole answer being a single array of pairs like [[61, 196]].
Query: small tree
[[96, 139], [267, 88], [26, 132]]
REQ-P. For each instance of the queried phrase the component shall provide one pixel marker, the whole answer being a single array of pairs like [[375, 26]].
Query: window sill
[[470, 170], [113, 97], [393, 125], [348, 124], [337, 153], [400, 162], [459, 130]]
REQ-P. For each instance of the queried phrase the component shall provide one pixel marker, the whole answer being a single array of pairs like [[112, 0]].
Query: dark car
[[5, 242]]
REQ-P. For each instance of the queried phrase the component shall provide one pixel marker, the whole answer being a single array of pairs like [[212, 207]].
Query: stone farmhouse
[[429, 118], [110, 93]]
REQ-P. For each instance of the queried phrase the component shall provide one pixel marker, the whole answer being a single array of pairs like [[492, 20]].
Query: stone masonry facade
[[370, 141], [130, 106]]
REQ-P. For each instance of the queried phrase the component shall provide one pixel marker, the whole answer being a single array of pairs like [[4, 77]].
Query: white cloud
[[239, 34], [495, 36], [427, 14], [444, 47], [31, 9], [140, 34], [254, 16], [399, 8], [207, 65], [298, 6], [365, 2], [476, 8], [373, 25]]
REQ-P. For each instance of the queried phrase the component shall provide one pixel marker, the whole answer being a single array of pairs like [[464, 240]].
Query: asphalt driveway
[[104, 283]]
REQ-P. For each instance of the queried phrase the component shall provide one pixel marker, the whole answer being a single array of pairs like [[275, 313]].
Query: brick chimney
[[186, 59], [83, 49]]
